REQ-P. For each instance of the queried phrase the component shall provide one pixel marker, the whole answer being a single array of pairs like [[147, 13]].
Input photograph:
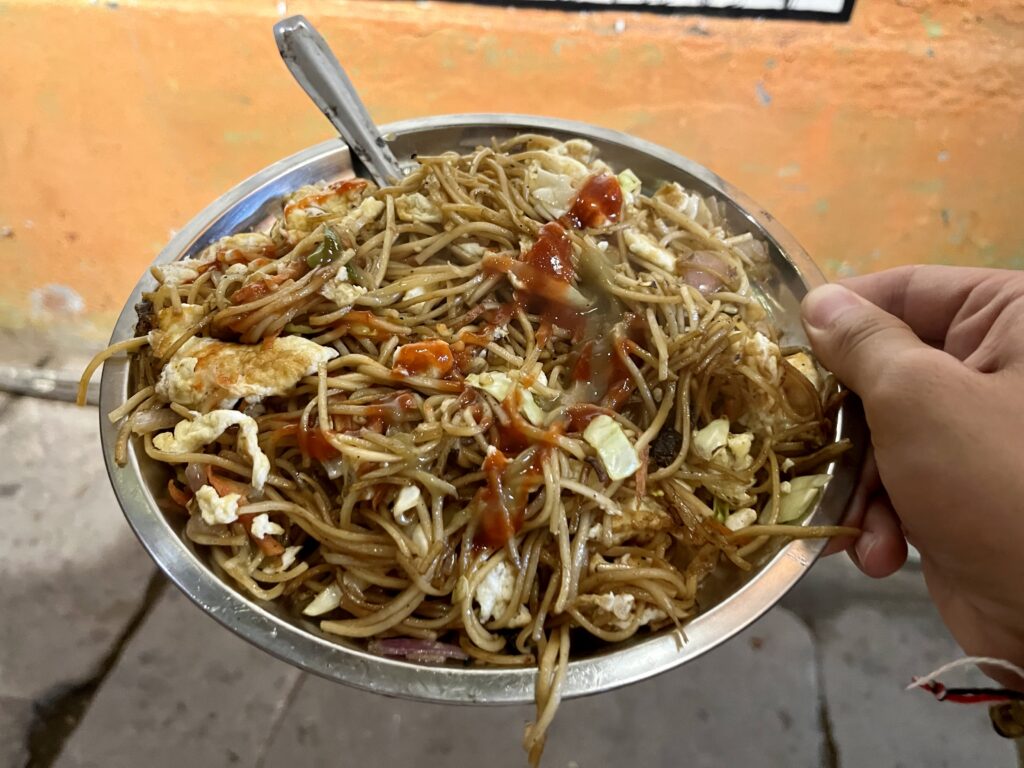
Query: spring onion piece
[[629, 182], [329, 249]]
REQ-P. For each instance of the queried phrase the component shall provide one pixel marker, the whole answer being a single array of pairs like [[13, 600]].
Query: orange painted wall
[[898, 137]]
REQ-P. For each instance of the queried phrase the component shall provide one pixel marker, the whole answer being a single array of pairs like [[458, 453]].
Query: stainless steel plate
[[729, 606]]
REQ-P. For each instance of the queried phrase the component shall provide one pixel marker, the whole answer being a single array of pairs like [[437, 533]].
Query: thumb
[[854, 338]]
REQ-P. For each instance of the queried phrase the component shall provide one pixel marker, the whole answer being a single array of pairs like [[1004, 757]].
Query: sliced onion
[[704, 281], [195, 476], [201, 532], [335, 468], [412, 649], [754, 250], [328, 599], [154, 420]]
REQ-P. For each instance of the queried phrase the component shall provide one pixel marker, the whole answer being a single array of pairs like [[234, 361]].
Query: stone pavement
[[103, 664]]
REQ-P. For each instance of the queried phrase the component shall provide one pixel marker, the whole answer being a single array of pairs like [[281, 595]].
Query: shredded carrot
[[224, 486], [268, 545], [180, 496]]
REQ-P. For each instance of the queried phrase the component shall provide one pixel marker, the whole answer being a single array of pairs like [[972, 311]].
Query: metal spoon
[[314, 66]]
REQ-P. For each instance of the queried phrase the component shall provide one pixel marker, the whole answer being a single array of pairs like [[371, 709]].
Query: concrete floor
[[102, 663]]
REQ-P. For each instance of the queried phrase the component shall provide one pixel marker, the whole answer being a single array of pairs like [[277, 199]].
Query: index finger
[[927, 297]]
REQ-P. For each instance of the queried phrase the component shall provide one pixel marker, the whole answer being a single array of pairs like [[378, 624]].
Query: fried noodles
[[510, 400]]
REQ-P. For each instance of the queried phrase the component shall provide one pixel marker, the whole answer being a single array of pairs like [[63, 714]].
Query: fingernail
[[823, 305], [865, 543]]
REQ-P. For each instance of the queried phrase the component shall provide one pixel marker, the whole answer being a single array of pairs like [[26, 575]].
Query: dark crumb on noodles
[[665, 447]]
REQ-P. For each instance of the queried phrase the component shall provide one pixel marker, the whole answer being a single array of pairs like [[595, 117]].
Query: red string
[[969, 695]]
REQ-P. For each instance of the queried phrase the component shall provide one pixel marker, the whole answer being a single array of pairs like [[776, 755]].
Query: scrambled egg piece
[[262, 526], [192, 436], [739, 446], [578, 149], [805, 365], [717, 445], [639, 519], [218, 509], [620, 606], [617, 609], [495, 591], [237, 250], [417, 208], [180, 272], [308, 206], [712, 438], [470, 251], [243, 246], [675, 196], [740, 519], [367, 212], [764, 354], [170, 325], [339, 290], [207, 370], [287, 559], [551, 193]]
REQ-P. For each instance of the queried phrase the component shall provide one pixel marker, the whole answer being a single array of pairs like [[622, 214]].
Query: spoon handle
[[314, 66]]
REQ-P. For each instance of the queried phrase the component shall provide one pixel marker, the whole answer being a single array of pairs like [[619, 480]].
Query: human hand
[[936, 354]]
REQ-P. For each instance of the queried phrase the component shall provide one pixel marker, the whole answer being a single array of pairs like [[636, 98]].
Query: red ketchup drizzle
[[431, 358], [503, 499], [498, 521], [359, 322], [600, 372], [546, 271], [581, 371], [551, 255], [345, 185], [313, 444], [621, 383], [599, 200], [544, 277], [581, 414], [252, 291], [469, 399], [397, 409], [510, 438], [342, 187], [467, 343]]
